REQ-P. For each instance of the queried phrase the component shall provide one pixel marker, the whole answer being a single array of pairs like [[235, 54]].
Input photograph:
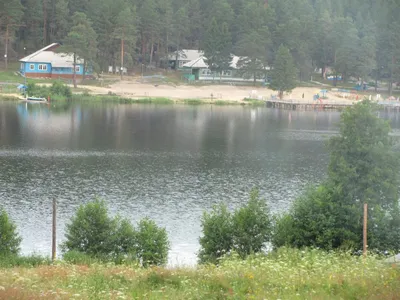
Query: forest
[[354, 38]]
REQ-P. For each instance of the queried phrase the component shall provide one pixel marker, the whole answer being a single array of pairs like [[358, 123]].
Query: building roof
[[186, 55], [57, 60], [196, 63], [201, 63]]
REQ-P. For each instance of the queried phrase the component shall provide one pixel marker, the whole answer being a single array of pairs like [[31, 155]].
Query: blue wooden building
[[47, 63]]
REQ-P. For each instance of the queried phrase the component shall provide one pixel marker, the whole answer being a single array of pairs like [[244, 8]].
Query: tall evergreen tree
[[284, 73], [81, 42], [217, 47]]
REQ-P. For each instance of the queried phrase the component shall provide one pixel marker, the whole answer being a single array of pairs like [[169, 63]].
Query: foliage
[[81, 41], [251, 226], [363, 169], [285, 274], [252, 49], [283, 74], [13, 260], [152, 244], [9, 237], [217, 46], [56, 89], [217, 234], [245, 231], [60, 89], [92, 234]]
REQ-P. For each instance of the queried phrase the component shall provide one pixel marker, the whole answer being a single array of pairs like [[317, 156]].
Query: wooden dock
[[324, 105]]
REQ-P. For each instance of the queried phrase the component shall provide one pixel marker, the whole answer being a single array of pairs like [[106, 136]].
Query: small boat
[[34, 99]]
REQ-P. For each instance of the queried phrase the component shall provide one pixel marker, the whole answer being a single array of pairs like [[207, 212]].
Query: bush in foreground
[[363, 169], [9, 237], [152, 243], [245, 231], [93, 234]]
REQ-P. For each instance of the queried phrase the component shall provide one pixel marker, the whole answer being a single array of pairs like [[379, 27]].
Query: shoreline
[[282, 104]]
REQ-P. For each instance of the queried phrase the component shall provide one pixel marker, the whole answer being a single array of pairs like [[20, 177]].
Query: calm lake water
[[169, 163]]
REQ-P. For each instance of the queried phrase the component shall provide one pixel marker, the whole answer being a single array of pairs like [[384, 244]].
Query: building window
[[43, 67], [31, 67], [77, 69]]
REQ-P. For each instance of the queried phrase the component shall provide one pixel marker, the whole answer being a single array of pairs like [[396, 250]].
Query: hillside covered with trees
[[353, 37]]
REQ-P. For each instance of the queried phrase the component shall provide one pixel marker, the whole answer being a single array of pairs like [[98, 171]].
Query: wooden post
[[53, 248], [365, 230], [6, 50], [122, 58]]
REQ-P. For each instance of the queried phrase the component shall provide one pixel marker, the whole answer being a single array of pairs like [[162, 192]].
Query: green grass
[[285, 274], [34, 260], [194, 101], [255, 102], [5, 97], [227, 102]]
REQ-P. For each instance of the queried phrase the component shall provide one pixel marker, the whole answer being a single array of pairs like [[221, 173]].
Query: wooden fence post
[[53, 245], [365, 230]]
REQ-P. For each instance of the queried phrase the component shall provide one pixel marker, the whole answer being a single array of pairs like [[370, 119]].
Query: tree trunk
[[122, 58], [376, 82], [6, 50], [84, 70], [280, 95], [74, 71], [254, 78], [166, 54], [391, 78], [177, 55], [151, 52]]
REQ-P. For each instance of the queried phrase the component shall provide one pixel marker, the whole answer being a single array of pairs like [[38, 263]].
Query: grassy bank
[[286, 274]]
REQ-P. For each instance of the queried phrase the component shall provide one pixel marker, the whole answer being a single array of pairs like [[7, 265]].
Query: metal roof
[[186, 54], [60, 60], [196, 63]]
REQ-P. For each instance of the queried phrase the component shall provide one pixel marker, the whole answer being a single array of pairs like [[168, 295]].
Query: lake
[[169, 163]]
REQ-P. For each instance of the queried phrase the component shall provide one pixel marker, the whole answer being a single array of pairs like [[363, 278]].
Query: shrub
[[252, 226], [60, 89], [363, 169], [245, 231], [313, 221], [79, 258], [94, 233], [9, 238], [152, 243], [13, 260], [217, 234]]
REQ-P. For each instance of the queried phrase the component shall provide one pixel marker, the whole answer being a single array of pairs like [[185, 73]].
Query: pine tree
[[252, 48], [81, 41], [125, 32], [217, 46], [283, 75]]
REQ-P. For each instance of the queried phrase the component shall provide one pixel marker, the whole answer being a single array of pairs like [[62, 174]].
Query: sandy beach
[[132, 89]]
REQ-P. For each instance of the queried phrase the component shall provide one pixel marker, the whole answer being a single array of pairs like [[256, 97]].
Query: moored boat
[[34, 99]]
